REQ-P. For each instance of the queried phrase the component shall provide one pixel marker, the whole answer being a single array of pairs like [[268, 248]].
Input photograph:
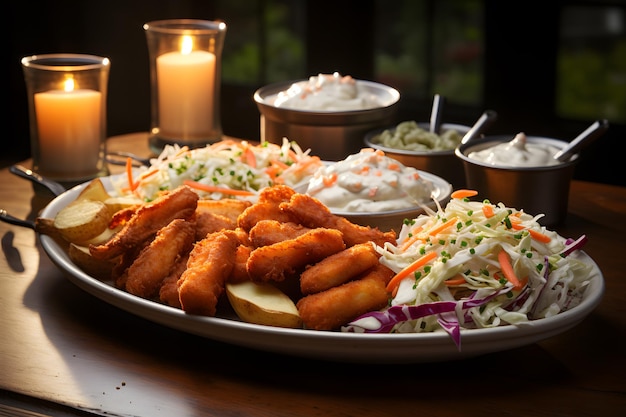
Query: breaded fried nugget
[[180, 203], [227, 207], [267, 207], [207, 222], [339, 268], [210, 263], [168, 293], [330, 309], [310, 212], [240, 272], [268, 232], [146, 274], [280, 260]]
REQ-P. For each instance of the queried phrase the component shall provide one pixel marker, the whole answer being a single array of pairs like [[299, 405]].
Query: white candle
[[69, 127], [186, 83]]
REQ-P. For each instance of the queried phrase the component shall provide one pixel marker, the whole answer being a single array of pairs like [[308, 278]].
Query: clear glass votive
[[67, 95], [185, 77]]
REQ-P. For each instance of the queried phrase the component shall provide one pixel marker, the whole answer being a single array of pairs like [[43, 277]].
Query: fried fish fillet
[[310, 212], [146, 273], [210, 263], [283, 259], [180, 203], [268, 232], [168, 293], [207, 222], [339, 268], [330, 309], [267, 207]]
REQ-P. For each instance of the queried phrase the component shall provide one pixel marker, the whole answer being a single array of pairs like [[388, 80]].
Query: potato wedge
[[82, 220], [94, 191], [97, 268], [263, 304]]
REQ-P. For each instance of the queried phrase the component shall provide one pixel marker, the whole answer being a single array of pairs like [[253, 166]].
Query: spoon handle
[[590, 134], [435, 114], [488, 117], [53, 186]]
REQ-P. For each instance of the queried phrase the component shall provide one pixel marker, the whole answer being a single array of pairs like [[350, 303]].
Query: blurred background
[[549, 68]]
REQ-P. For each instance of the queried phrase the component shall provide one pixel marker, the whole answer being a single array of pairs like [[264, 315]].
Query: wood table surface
[[65, 352]]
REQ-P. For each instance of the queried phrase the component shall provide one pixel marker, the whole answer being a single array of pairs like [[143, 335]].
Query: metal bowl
[[442, 163], [536, 190], [330, 135]]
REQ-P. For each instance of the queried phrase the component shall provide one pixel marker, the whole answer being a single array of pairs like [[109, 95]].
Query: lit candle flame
[[187, 45], [68, 84]]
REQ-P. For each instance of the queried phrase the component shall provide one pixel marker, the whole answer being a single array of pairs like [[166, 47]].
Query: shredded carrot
[[330, 179], [129, 174], [462, 193], [442, 227], [302, 165], [394, 167], [488, 210], [214, 189], [395, 281], [248, 157], [453, 282], [414, 238], [280, 164], [538, 236], [507, 270]]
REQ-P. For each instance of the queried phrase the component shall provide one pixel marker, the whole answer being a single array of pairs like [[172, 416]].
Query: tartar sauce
[[517, 153], [326, 92], [367, 182]]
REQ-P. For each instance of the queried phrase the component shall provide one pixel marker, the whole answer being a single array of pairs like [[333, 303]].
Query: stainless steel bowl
[[330, 135], [442, 163], [536, 190]]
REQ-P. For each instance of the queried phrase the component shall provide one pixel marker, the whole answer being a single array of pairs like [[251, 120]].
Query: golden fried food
[[330, 309], [210, 263], [267, 207], [227, 207], [207, 222], [240, 272], [310, 212], [180, 203], [146, 274], [283, 259], [339, 268], [168, 293], [268, 232]]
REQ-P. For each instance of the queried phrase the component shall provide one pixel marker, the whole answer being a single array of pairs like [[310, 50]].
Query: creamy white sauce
[[326, 92], [518, 153], [367, 182]]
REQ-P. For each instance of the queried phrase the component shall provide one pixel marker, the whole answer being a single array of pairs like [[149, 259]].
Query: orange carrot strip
[[507, 270], [412, 239], [488, 210], [395, 281], [456, 281], [248, 157], [214, 189], [442, 227], [538, 236], [330, 180], [462, 193]]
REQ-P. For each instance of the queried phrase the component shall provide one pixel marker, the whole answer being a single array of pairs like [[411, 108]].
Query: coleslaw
[[474, 264], [226, 169]]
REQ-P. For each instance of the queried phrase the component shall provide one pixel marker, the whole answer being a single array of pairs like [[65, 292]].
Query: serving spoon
[[54, 187], [484, 121], [435, 114], [590, 134]]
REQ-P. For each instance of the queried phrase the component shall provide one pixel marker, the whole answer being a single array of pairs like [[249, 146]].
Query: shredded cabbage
[[478, 294], [229, 164]]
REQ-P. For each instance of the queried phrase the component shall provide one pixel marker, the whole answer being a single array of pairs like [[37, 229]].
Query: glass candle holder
[[185, 77], [67, 115]]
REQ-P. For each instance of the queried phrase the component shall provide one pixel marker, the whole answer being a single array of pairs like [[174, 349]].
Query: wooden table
[[64, 352]]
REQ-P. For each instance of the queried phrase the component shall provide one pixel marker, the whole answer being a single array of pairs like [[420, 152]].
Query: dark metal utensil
[[7, 218], [53, 186], [435, 114], [484, 121], [119, 158], [590, 134]]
